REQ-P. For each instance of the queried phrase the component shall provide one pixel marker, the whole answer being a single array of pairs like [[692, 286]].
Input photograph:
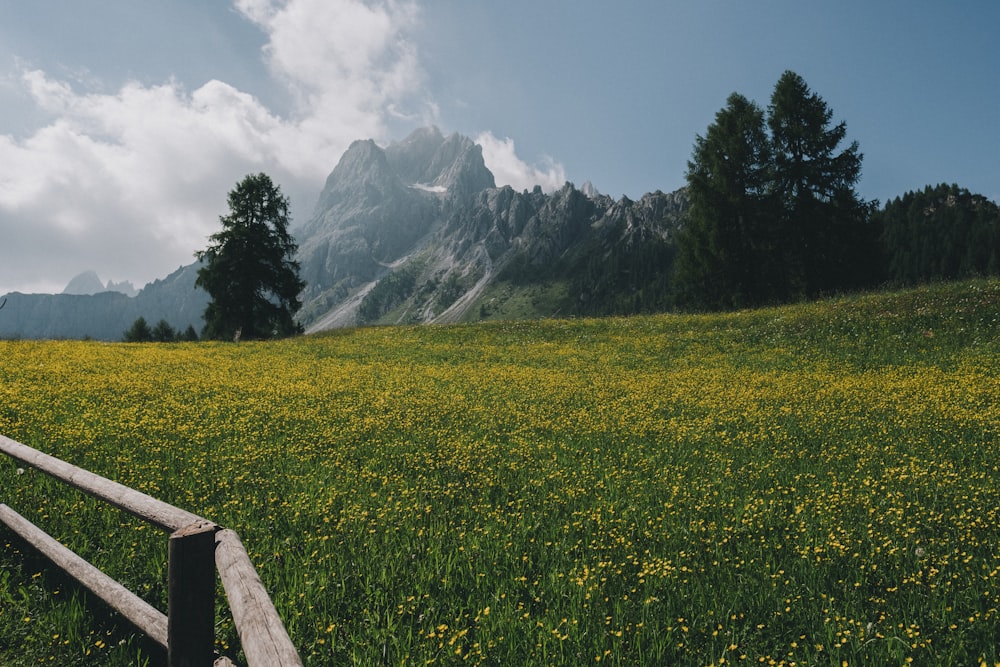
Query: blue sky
[[124, 123]]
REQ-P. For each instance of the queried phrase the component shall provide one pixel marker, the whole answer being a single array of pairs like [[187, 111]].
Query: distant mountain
[[418, 232], [107, 314], [85, 283], [89, 283]]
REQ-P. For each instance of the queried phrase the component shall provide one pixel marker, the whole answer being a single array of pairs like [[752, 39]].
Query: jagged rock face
[[89, 283], [418, 231], [639, 219], [452, 166], [378, 204]]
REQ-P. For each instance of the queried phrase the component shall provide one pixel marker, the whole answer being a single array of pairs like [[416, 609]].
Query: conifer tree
[[774, 215], [163, 332], [827, 241], [139, 332], [249, 271], [727, 232]]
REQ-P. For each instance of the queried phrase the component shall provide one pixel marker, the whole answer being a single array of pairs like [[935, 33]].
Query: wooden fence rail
[[196, 548]]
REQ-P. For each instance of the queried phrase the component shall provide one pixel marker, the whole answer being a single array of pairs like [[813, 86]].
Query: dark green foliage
[[389, 292], [619, 262], [940, 233], [774, 214], [163, 332], [607, 274], [522, 271], [452, 288], [249, 269], [729, 245], [139, 332], [823, 219], [622, 279]]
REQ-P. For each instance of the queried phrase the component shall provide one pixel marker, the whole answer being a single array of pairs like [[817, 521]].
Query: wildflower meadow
[[814, 484]]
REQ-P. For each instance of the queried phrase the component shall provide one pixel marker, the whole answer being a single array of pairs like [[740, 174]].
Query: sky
[[125, 123]]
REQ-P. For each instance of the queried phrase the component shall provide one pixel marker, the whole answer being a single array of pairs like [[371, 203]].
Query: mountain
[[418, 232], [85, 283], [89, 283], [378, 205], [107, 314]]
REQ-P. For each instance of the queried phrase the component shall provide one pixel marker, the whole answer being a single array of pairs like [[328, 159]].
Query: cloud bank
[[508, 169], [132, 182]]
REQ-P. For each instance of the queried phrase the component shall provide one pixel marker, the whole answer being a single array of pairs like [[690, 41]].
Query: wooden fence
[[195, 549]]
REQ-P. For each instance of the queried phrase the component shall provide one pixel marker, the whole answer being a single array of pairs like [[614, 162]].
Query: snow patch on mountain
[[436, 189]]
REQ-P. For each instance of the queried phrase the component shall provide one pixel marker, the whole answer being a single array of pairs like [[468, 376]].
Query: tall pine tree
[[828, 243], [774, 216], [728, 237], [249, 270]]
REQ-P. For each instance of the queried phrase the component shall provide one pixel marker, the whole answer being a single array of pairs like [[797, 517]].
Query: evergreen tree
[[941, 233], [139, 332], [163, 332], [774, 215], [724, 248], [249, 270], [824, 220], [189, 335]]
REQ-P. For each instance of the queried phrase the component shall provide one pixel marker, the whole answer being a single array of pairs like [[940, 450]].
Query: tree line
[[161, 332], [775, 216], [940, 233]]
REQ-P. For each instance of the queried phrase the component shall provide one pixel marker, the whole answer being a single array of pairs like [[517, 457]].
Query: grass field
[[812, 485]]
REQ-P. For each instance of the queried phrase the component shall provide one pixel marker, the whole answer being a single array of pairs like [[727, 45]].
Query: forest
[[775, 216]]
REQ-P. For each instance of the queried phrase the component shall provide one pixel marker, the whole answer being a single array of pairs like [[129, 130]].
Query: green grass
[[812, 484], [504, 300]]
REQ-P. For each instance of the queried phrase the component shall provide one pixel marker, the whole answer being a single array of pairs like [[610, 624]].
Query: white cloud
[[131, 183], [508, 169], [348, 65]]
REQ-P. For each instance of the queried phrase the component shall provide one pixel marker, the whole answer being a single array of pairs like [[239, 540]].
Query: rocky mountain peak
[[84, 283], [411, 158], [362, 175], [440, 236], [589, 190], [459, 167], [88, 283], [429, 161], [369, 176]]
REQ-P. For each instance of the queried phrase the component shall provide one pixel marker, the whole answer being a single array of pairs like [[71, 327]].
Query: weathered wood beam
[[140, 613], [262, 633], [162, 515]]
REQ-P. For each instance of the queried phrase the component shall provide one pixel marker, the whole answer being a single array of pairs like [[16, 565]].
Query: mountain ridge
[[107, 314], [418, 232], [439, 235]]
